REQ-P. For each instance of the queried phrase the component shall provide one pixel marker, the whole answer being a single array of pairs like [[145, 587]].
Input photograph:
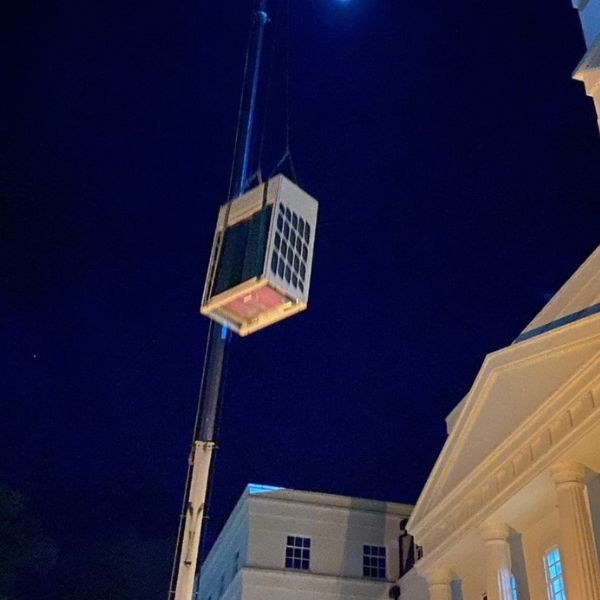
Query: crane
[[203, 443]]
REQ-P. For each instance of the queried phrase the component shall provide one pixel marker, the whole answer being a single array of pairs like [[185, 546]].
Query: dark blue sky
[[456, 165]]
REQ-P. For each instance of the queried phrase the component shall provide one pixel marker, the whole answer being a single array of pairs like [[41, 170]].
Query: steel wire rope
[[239, 120], [261, 145], [287, 153]]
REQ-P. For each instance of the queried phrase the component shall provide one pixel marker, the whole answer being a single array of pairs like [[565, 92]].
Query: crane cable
[[287, 154], [261, 146]]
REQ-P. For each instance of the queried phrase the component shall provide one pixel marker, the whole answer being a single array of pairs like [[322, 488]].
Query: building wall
[[223, 562], [337, 535], [337, 526], [539, 537]]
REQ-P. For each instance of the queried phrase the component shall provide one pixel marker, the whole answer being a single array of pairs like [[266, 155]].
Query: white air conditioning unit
[[261, 259]]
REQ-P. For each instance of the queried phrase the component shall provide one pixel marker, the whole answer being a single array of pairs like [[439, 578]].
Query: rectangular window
[[513, 588], [554, 579], [297, 553], [236, 564], [374, 561]]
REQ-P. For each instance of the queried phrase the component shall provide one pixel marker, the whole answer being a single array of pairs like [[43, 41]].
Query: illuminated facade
[[512, 507], [285, 544], [588, 69]]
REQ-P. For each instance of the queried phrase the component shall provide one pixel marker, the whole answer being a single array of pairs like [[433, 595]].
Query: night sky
[[456, 166]]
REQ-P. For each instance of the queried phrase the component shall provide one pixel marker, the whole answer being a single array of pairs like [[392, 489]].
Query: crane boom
[[203, 444], [200, 460]]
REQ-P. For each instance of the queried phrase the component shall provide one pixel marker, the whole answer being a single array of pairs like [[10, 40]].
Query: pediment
[[513, 385], [580, 292]]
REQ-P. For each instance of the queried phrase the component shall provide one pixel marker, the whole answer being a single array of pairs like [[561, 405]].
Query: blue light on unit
[[223, 332]]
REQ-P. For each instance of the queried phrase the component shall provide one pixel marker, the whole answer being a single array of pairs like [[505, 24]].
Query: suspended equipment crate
[[260, 264]]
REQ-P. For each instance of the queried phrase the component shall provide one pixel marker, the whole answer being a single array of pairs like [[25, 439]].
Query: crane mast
[[203, 442]]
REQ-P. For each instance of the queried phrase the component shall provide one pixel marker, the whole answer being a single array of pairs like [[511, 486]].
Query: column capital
[[567, 473], [492, 531]]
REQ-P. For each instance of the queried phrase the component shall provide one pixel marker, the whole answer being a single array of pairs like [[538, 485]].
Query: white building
[[588, 69], [511, 509], [281, 544]]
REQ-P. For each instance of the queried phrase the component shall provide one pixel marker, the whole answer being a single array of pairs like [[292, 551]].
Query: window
[[297, 553], [236, 564], [513, 588], [374, 561], [554, 578]]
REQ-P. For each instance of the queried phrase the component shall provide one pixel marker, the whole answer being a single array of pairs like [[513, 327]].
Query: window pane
[[554, 578]]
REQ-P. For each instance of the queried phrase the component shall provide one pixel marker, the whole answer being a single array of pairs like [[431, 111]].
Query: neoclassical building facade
[[511, 509]]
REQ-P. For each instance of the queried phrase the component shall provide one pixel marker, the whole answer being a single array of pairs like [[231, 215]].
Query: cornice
[[528, 351], [468, 506], [579, 5], [589, 63], [367, 507]]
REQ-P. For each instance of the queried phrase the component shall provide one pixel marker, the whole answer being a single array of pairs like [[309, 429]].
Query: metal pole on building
[[203, 442]]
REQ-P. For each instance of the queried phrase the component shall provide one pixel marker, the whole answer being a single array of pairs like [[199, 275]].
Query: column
[[577, 548], [497, 560], [438, 581]]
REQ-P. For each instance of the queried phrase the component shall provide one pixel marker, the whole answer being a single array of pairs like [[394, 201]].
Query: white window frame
[[553, 575]]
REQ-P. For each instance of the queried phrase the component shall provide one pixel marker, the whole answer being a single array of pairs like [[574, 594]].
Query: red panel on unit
[[253, 304]]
